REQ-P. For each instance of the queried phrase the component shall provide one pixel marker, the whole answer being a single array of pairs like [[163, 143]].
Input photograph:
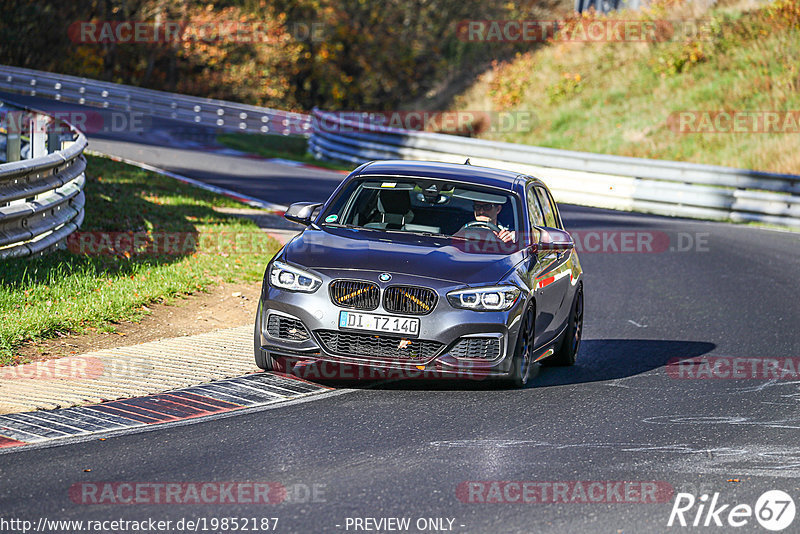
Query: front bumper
[[445, 326]]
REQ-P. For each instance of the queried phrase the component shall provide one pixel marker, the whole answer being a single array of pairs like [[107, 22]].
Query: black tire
[[571, 342], [522, 360], [263, 359]]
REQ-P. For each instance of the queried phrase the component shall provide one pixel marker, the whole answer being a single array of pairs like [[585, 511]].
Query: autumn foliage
[[336, 54]]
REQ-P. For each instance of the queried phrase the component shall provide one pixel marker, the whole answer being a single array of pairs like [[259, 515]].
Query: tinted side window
[[547, 207], [556, 212], [534, 209]]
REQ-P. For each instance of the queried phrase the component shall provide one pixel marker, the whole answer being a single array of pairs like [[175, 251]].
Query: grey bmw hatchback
[[452, 270]]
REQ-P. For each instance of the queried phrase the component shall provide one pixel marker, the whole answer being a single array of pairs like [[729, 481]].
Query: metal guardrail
[[41, 199], [204, 111], [616, 182]]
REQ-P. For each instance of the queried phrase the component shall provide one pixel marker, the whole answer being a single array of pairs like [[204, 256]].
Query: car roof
[[471, 174]]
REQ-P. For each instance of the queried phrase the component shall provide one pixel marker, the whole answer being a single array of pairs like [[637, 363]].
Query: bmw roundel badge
[[385, 277]]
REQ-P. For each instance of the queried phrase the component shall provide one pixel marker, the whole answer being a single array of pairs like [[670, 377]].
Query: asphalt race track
[[410, 449]]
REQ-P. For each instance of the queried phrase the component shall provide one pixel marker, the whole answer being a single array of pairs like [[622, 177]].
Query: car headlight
[[285, 276], [495, 298]]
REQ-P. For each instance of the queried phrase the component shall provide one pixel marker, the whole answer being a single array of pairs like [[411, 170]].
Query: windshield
[[423, 206]]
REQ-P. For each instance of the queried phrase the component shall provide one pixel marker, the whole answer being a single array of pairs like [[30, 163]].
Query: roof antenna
[[467, 162]]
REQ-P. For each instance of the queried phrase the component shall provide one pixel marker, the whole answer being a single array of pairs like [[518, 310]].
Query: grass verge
[[278, 146], [73, 291]]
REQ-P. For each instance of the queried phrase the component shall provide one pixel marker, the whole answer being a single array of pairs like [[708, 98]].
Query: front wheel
[[521, 362], [572, 336], [263, 359]]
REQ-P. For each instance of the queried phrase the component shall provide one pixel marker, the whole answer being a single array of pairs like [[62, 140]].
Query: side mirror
[[553, 239], [301, 212]]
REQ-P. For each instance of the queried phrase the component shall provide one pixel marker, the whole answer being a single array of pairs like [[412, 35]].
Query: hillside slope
[[727, 95]]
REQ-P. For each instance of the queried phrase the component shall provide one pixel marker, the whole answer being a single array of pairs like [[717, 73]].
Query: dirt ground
[[224, 306]]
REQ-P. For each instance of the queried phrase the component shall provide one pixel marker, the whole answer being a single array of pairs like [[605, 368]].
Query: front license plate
[[407, 326]]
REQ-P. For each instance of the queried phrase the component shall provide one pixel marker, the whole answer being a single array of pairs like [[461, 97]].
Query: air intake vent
[[281, 327], [355, 294], [477, 348], [410, 300], [379, 347]]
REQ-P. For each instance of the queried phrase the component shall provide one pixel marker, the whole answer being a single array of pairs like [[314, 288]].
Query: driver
[[488, 212]]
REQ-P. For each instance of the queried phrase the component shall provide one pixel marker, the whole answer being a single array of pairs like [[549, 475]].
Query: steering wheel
[[482, 224]]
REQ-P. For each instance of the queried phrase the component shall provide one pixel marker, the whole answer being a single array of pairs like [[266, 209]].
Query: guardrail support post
[[37, 148], [53, 142], [13, 146]]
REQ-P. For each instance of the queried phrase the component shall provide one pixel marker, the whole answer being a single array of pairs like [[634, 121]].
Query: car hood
[[410, 254]]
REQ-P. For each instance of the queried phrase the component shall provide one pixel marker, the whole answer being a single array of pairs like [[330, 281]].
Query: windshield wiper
[[436, 234], [351, 227], [339, 225], [389, 231]]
